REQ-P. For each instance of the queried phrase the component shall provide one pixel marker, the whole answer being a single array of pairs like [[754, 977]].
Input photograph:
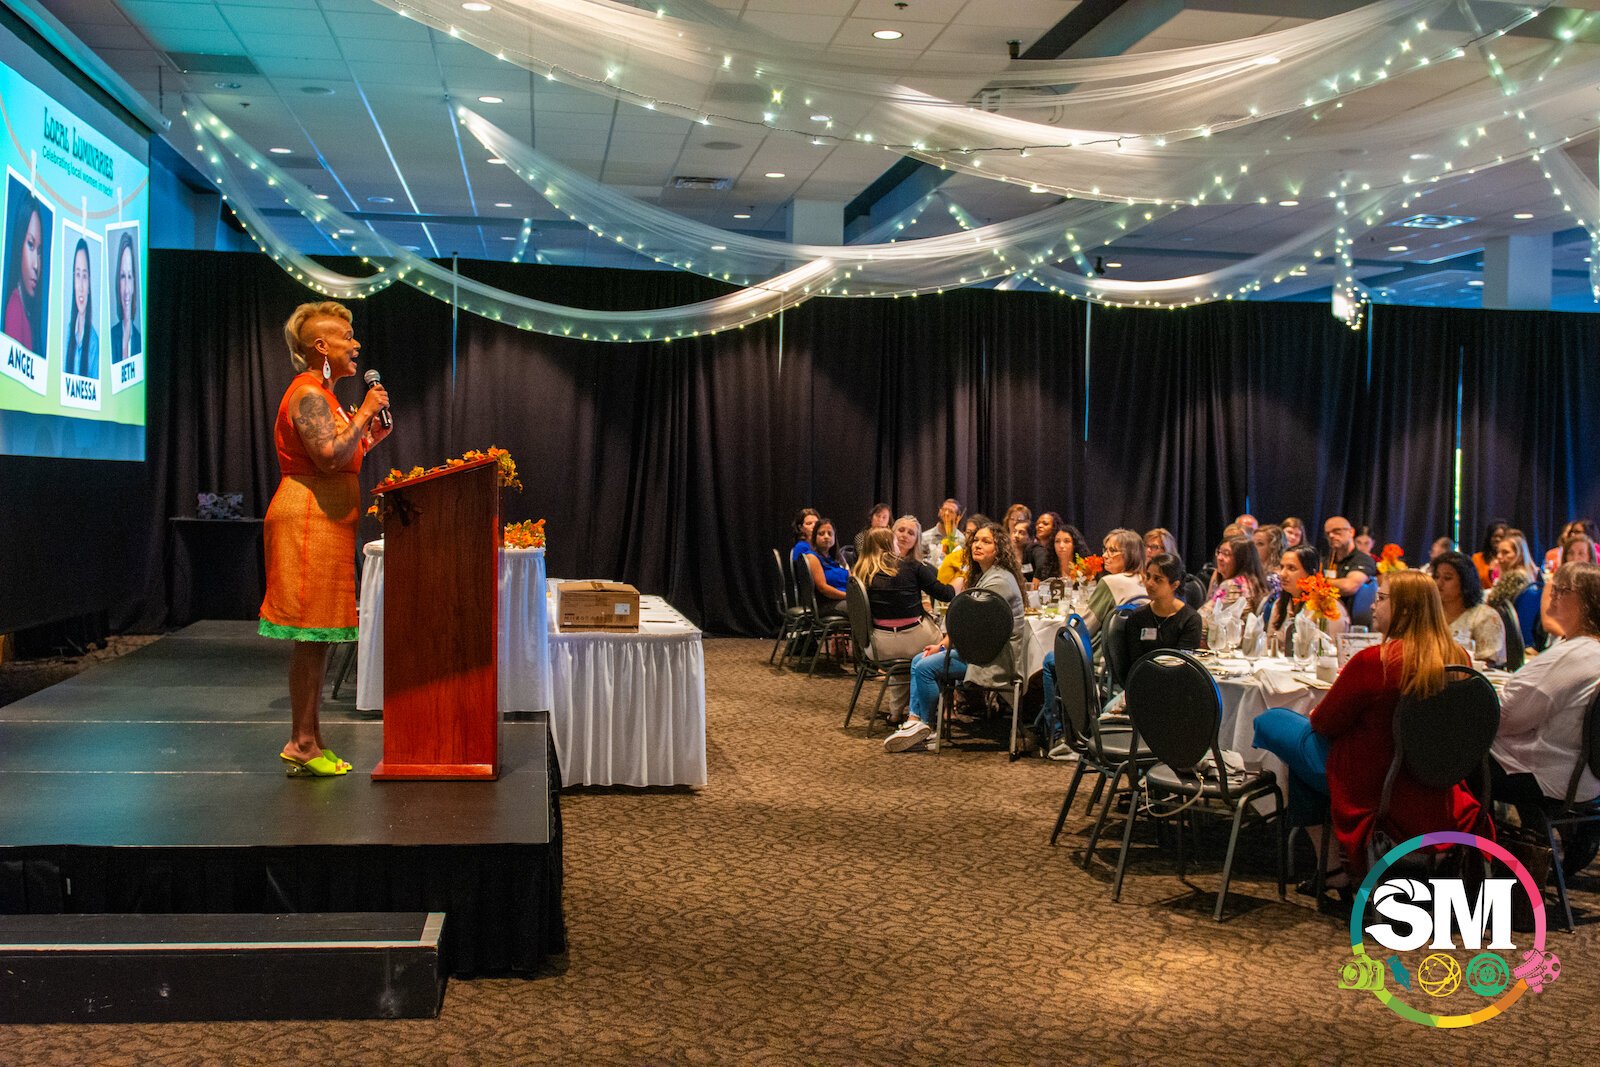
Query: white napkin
[[1278, 682]]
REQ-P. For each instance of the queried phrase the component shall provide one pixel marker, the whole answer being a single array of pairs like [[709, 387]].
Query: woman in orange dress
[[311, 523]]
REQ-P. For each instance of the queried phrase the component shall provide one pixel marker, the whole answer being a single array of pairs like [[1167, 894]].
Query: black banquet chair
[[979, 625], [1177, 710], [1516, 651], [1107, 750], [791, 616], [817, 627], [1438, 741], [858, 607]]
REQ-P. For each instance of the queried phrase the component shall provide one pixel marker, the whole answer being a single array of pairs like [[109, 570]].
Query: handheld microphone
[[372, 378]]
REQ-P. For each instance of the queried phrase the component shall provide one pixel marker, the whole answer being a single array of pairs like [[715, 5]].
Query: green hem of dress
[[328, 634]]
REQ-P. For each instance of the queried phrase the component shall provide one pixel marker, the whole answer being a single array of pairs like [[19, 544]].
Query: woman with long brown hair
[[900, 627], [1343, 751], [992, 566]]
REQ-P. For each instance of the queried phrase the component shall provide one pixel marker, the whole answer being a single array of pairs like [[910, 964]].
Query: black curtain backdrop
[[678, 466]]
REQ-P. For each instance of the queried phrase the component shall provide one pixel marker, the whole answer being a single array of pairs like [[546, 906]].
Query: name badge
[[1331, 572], [1147, 634]]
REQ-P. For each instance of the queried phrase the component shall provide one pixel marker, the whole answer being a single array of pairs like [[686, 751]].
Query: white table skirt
[[524, 656], [1246, 696], [630, 709], [626, 708]]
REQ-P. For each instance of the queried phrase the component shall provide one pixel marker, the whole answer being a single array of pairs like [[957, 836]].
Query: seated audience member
[[1066, 546], [907, 530], [805, 520], [1343, 751], [1022, 548], [1165, 622], [1270, 544], [1576, 528], [1247, 525], [1123, 552], [1298, 563], [1044, 555], [828, 572], [1514, 565], [1484, 558], [954, 564], [1159, 540], [1542, 710], [900, 627], [1439, 547], [1347, 566], [1577, 548], [944, 536], [989, 566], [1015, 513], [1294, 532], [1364, 539], [1464, 610], [878, 518], [1238, 577]]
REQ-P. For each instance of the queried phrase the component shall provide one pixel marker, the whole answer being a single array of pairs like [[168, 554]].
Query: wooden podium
[[441, 716]]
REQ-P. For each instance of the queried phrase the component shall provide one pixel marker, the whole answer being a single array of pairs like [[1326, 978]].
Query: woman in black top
[[900, 627], [1165, 622]]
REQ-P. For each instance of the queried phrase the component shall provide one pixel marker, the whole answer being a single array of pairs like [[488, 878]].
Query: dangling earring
[[327, 371]]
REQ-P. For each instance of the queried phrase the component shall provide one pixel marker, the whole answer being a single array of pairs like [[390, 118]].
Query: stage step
[[193, 968]]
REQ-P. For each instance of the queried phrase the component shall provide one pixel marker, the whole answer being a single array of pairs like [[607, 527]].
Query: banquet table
[[626, 708]]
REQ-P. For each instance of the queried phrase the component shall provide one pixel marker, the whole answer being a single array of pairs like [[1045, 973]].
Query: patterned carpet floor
[[822, 901]]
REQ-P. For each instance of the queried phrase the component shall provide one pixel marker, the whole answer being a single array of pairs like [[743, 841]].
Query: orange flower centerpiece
[[1391, 560], [1091, 567], [1319, 596], [507, 469], [524, 535]]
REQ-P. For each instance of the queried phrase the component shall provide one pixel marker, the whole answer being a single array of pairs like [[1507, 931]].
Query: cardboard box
[[612, 606]]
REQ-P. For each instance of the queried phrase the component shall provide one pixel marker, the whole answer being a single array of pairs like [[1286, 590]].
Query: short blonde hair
[[297, 331]]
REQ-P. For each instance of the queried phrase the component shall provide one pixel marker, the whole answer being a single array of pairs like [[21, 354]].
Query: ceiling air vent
[[686, 182], [204, 63]]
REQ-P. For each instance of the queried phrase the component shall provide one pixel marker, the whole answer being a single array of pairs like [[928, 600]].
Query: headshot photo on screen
[[29, 226], [125, 340], [80, 348]]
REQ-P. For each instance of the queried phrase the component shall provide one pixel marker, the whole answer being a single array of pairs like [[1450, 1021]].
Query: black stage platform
[[152, 784]]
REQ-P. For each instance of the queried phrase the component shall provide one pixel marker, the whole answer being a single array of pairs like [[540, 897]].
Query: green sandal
[[344, 765], [318, 767]]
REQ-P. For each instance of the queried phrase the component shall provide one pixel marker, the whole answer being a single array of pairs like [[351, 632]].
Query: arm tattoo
[[314, 422]]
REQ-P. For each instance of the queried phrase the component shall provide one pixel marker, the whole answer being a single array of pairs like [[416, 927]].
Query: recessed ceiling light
[[380, 199], [228, 85], [1288, 203], [490, 100], [412, 248], [741, 215], [279, 151], [497, 161], [776, 174], [322, 196], [508, 238], [475, 5], [887, 35], [719, 248], [1398, 248], [1476, 281], [347, 233], [1420, 156], [1523, 215], [1113, 265], [503, 203], [316, 90], [821, 118]]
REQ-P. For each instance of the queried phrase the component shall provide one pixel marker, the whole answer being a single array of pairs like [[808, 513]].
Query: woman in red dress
[[1344, 749], [311, 523]]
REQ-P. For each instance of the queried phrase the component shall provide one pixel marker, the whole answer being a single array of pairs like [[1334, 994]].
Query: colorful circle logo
[[1439, 975]]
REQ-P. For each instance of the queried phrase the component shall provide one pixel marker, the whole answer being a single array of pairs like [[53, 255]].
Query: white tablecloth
[[625, 708], [1266, 683], [524, 659], [630, 709]]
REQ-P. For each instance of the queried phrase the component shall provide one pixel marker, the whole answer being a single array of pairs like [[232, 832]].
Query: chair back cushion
[[1516, 651], [1445, 737], [1176, 707], [1361, 602], [1589, 755], [979, 622], [858, 607], [1116, 651], [805, 590], [1074, 683]]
